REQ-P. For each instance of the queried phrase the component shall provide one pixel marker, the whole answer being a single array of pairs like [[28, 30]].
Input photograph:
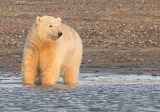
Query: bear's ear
[[59, 19], [38, 19]]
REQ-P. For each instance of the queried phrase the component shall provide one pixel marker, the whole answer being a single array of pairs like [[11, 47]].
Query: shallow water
[[102, 92]]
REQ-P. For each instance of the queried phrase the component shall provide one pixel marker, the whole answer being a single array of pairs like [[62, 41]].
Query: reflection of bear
[[51, 47]]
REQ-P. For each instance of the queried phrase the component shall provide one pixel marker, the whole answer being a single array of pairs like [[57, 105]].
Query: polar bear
[[51, 48]]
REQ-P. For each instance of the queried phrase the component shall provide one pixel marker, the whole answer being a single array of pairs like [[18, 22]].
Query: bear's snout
[[60, 34]]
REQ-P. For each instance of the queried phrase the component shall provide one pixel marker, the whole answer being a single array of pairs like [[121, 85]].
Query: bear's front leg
[[49, 76], [49, 67], [29, 67]]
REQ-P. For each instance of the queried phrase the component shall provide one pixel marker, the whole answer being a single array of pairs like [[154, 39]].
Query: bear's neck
[[40, 44], [37, 41]]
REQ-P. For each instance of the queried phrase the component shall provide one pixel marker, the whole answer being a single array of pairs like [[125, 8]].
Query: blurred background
[[99, 22]]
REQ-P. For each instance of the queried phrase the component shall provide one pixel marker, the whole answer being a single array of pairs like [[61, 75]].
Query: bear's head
[[48, 27]]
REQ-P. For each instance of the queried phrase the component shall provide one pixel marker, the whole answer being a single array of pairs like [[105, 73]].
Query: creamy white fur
[[45, 56]]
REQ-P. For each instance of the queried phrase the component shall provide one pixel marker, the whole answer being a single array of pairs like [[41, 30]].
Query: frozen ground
[[102, 92]]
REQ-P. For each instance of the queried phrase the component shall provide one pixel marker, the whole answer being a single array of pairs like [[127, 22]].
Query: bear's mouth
[[54, 37]]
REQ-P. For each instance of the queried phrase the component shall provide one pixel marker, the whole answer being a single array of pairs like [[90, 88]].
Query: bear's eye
[[50, 26]]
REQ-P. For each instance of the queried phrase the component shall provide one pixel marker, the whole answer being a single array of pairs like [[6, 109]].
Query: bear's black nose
[[60, 34]]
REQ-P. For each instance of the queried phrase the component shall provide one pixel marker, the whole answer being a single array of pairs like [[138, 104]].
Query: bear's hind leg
[[70, 74]]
